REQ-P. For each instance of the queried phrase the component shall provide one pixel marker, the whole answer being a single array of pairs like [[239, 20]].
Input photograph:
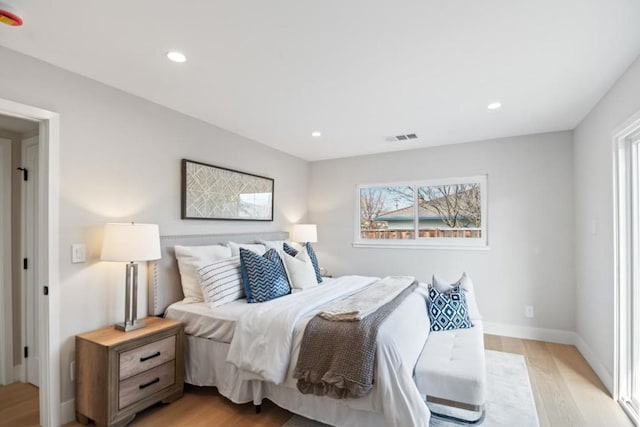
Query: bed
[[218, 341]]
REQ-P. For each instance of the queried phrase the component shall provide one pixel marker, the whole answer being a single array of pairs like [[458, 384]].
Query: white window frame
[[627, 266], [481, 243]]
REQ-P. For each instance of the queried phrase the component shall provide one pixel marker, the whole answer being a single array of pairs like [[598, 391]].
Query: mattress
[[217, 323]]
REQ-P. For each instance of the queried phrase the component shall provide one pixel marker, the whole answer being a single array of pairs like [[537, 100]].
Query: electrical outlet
[[528, 311], [72, 370]]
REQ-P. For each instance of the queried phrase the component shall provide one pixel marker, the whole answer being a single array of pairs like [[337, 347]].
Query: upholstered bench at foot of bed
[[451, 371]]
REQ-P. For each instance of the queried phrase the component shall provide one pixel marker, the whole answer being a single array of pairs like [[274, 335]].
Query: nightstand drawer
[[136, 388], [148, 356]]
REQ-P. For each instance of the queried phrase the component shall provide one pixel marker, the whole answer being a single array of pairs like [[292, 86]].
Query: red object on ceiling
[[9, 18]]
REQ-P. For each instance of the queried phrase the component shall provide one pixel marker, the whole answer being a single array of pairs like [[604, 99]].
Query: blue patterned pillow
[[264, 276], [289, 249], [312, 255], [448, 310]]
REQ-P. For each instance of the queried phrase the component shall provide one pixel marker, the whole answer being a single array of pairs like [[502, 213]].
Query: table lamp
[[130, 242], [303, 233]]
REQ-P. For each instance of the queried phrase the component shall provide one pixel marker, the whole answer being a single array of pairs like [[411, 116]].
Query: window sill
[[419, 245]]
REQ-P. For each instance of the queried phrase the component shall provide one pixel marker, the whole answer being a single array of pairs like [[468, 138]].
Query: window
[[447, 212]]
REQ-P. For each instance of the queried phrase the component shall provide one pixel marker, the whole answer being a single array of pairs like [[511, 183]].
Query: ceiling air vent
[[406, 137]]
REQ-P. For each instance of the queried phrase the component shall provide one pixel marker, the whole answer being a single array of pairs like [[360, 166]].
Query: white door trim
[[48, 262], [6, 319]]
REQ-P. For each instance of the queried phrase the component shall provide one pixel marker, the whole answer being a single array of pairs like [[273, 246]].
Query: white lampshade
[[130, 242], [304, 233]]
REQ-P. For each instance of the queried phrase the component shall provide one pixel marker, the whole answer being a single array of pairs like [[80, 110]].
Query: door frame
[[47, 254], [624, 221], [6, 319]]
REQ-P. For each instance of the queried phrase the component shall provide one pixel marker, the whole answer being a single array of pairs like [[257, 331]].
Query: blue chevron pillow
[[289, 249], [448, 310], [312, 255], [264, 276]]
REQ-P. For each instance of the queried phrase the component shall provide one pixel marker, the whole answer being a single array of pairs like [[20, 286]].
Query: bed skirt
[[205, 365]]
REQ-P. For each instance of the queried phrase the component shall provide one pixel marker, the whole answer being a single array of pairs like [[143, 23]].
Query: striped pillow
[[221, 281]]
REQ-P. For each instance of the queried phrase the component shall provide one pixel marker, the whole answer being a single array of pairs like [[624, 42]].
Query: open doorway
[[19, 145], [45, 334]]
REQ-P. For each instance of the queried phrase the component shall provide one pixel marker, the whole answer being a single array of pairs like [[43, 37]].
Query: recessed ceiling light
[[316, 134], [176, 56], [494, 106]]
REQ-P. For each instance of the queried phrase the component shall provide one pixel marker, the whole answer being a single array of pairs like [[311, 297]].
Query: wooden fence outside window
[[397, 234]]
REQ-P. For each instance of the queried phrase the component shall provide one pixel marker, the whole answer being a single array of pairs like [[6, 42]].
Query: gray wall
[[530, 213], [594, 244], [120, 161]]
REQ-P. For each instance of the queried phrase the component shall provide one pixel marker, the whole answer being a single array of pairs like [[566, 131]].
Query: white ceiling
[[358, 71]]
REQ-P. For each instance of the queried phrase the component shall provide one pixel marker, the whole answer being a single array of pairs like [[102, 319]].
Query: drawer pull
[[153, 381], [144, 359]]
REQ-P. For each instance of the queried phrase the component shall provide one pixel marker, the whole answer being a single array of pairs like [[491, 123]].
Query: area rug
[[509, 396]]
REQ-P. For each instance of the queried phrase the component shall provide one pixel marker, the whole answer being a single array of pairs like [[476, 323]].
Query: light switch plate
[[78, 253]]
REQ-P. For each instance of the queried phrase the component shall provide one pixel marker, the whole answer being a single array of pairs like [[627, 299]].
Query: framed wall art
[[214, 192]]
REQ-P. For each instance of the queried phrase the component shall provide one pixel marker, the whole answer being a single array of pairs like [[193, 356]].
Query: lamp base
[[126, 327]]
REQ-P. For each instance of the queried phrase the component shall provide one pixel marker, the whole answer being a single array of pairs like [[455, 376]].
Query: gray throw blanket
[[337, 358]]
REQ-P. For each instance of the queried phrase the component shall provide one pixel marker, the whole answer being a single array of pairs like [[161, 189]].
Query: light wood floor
[[19, 405], [566, 390]]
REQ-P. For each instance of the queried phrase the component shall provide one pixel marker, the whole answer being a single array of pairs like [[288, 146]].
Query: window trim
[[626, 267], [481, 243]]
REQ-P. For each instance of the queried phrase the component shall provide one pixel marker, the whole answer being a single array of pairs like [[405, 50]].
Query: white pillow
[[191, 257], [235, 248], [467, 285], [277, 244], [221, 281], [300, 270]]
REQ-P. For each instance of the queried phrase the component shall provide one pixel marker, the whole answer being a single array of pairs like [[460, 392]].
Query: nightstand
[[121, 373]]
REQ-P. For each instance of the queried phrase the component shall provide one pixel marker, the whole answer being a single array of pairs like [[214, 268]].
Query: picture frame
[[217, 193]]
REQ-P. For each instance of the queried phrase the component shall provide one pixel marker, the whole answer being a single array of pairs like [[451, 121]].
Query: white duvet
[[267, 339]]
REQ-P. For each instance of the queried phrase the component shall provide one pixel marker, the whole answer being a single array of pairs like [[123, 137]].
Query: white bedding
[[216, 324], [205, 365], [267, 339]]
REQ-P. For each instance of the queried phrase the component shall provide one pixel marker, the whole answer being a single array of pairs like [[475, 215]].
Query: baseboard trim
[[68, 411], [598, 367], [530, 333]]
